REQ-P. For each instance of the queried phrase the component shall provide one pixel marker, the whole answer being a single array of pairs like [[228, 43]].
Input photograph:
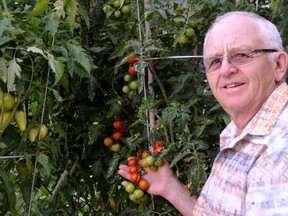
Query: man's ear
[[281, 65]]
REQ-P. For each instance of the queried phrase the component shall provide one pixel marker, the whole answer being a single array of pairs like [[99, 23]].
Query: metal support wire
[[172, 57]]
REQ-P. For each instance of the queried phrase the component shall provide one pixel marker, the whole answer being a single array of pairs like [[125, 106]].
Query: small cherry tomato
[[116, 147], [149, 160], [130, 187], [133, 169], [138, 194], [133, 60], [139, 154], [158, 143], [117, 136], [160, 163], [108, 142], [118, 124], [122, 131], [135, 177], [143, 184], [145, 153], [132, 162], [158, 149], [132, 71], [144, 163]]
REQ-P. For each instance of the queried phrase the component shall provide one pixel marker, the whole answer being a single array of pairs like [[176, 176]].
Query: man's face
[[239, 89]]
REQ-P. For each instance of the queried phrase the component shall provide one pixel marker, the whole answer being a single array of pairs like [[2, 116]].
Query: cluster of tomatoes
[[138, 185], [114, 142], [122, 9], [131, 78]]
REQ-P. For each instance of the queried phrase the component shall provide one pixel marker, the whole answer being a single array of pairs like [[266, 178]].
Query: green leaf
[[113, 165], [41, 6], [3, 69], [71, 12], [59, 7], [36, 50], [3, 24], [13, 70], [79, 55], [44, 161]]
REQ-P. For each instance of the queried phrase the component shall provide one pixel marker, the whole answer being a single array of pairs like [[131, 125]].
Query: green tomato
[[133, 85], [190, 32], [132, 198], [131, 93], [117, 14], [116, 147], [128, 78], [138, 194], [126, 9], [117, 4], [126, 89], [130, 187], [183, 40], [149, 160]]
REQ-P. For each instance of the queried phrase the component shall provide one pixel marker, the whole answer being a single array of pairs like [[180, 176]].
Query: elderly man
[[245, 66]]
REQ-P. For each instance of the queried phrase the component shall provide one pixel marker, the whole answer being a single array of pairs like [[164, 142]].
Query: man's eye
[[240, 55], [215, 61]]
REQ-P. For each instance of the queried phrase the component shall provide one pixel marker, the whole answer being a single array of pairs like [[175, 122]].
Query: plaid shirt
[[250, 173]]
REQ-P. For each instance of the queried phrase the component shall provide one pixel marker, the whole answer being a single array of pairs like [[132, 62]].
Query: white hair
[[266, 29]]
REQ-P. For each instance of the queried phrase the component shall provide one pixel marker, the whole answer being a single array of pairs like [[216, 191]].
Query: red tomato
[[133, 169], [118, 124], [139, 154], [108, 142], [117, 136], [132, 71], [158, 149], [132, 162], [135, 177], [143, 184], [155, 63], [158, 142], [122, 131], [133, 60]]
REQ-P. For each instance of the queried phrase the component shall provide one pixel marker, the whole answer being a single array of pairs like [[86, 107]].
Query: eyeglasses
[[236, 58]]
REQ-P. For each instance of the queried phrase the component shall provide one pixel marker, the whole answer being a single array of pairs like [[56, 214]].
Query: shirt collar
[[264, 120]]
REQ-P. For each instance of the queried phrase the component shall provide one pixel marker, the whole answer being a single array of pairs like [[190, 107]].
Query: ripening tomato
[[117, 136], [132, 71], [116, 147], [108, 142], [149, 160], [118, 124], [133, 60], [144, 163], [158, 149], [143, 184], [135, 177], [133, 169], [160, 163], [158, 142], [132, 162], [145, 153], [139, 154]]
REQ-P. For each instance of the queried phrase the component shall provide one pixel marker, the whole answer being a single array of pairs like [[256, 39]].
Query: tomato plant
[[65, 63]]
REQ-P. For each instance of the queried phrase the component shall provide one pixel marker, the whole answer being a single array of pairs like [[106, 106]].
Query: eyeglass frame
[[255, 51]]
